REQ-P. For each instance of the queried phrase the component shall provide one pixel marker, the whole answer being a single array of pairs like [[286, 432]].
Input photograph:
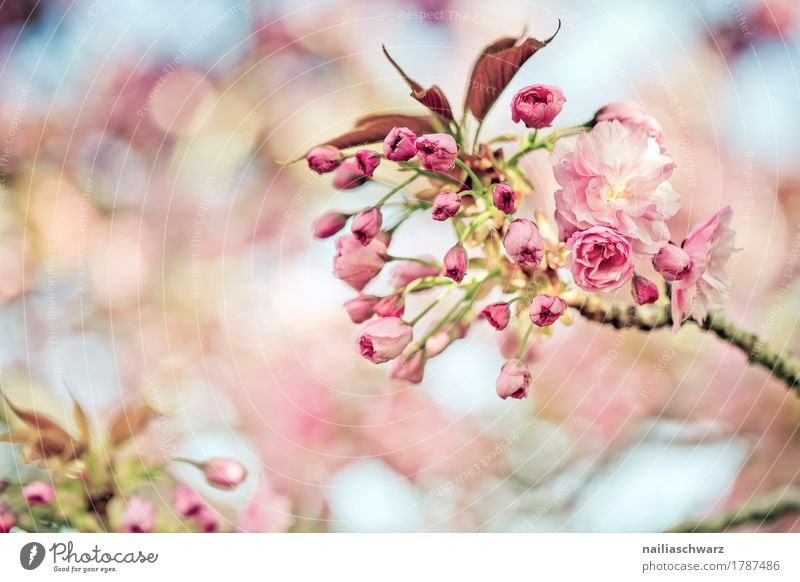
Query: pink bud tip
[[38, 493], [224, 473], [445, 205], [366, 225], [329, 224], [367, 161], [514, 380], [410, 370], [391, 306], [361, 308], [546, 309], [455, 263], [348, 176], [384, 339], [323, 159], [504, 198], [497, 314], [537, 105], [524, 243], [672, 262], [437, 152], [186, 501], [399, 144], [643, 290], [139, 516]]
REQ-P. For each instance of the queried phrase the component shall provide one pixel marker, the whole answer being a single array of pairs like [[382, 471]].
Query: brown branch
[[784, 366], [762, 510]]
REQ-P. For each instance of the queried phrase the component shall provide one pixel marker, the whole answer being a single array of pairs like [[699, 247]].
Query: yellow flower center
[[617, 191]]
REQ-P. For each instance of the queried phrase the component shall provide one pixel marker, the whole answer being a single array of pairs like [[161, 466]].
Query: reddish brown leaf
[[433, 98], [130, 422], [32, 418], [494, 69], [373, 128]]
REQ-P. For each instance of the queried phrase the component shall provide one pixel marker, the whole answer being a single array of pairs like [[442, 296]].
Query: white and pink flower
[[615, 176]]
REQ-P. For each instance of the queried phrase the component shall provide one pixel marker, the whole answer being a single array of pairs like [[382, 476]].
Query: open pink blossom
[[537, 105], [437, 152], [407, 271], [409, 369], [524, 243], [615, 176], [632, 114], [139, 516], [514, 380], [546, 309], [384, 339], [38, 493], [361, 307], [367, 161], [709, 247], [399, 144], [356, 264], [600, 259]]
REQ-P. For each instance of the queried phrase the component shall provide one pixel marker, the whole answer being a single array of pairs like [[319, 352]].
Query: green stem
[[476, 183], [395, 190], [427, 309], [416, 260], [427, 174], [524, 343]]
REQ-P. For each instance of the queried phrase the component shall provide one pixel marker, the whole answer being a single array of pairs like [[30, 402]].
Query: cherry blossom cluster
[[513, 267], [93, 483]]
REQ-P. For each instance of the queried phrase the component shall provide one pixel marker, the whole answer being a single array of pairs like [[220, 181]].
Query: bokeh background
[[153, 245]]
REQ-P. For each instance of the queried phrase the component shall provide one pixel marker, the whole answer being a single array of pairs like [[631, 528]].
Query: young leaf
[[494, 69], [433, 98]]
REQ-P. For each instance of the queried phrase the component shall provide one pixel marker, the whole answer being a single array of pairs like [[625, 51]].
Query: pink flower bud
[[329, 224], [356, 264], [523, 243], [367, 161], [7, 520], [38, 493], [324, 159], [361, 307], [410, 370], [407, 271], [384, 339], [139, 516], [672, 262], [633, 115], [224, 473], [391, 306], [643, 290], [206, 520], [504, 198], [437, 152], [399, 144], [514, 380], [366, 224], [497, 314], [445, 205], [348, 176], [546, 309], [537, 105], [186, 501], [455, 263]]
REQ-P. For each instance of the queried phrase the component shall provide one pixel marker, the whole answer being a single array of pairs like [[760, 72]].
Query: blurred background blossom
[[153, 245]]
